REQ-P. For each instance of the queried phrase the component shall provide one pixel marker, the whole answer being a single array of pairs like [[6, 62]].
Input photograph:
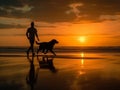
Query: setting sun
[[82, 39]]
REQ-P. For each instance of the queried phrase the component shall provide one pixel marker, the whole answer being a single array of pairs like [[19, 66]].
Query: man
[[31, 33]]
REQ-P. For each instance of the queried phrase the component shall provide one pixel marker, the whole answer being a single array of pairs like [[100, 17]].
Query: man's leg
[[28, 50], [32, 48]]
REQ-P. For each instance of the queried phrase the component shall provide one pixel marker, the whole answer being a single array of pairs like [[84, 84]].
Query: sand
[[66, 71]]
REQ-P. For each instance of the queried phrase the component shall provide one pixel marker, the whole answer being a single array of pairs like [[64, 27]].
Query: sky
[[71, 22]]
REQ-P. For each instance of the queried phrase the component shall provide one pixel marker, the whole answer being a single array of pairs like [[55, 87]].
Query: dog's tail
[[37, 43]]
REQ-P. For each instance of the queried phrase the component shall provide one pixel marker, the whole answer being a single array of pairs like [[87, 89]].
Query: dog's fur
[[47, 46]]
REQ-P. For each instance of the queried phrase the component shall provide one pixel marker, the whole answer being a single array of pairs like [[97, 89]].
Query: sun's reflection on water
[[82, 61]]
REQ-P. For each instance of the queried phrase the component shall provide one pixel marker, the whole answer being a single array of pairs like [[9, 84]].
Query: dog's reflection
[[31, 78], [46, 62]]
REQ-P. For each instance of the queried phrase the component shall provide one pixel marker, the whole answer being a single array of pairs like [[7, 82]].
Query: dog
[[47, 46]]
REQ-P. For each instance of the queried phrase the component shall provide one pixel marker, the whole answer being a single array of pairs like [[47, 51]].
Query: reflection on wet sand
[[46, 62], [75, 74], [31, 78], [82, 62], [97, 77], [19, 73]]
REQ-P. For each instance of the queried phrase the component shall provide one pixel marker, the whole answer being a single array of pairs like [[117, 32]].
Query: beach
[[72, 44], [66, 71]]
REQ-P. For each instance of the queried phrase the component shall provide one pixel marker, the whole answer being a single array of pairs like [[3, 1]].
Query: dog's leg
[[38, 51], [46, 51], [43, 50], [52, 52]]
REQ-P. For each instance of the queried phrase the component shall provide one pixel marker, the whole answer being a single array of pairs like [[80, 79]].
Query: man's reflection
[[47, 63], [31, 78]]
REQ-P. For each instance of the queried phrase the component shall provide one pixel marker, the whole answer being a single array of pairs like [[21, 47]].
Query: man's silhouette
[[31, 33]]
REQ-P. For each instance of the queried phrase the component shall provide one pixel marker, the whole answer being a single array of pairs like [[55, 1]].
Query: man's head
[[32, 24]]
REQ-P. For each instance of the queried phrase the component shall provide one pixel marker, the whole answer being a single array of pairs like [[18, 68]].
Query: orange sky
[[97, 21], [68, 34]]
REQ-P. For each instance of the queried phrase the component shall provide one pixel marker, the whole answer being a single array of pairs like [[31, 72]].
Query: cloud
[[74, 9], [5, 26], [12, 9], [25, 8], [60, 10], [16, 3], [110, 17], [6, 22]]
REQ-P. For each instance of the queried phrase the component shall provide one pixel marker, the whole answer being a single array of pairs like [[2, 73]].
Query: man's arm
[[27, 34], [37, 35]]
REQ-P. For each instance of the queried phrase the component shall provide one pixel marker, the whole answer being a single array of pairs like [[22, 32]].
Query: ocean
[[64, 49]]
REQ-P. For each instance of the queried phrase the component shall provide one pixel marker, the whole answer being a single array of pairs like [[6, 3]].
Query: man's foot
[[27, 53], [33, 54]]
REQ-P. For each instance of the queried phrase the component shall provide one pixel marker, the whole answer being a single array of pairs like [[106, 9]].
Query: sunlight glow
[[82, 59], [82, 39], [82, 54], [82, 72]]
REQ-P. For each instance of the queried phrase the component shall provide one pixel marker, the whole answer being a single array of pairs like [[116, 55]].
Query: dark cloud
[[5, 26], [46, 26], [7, 3], [55, 10], [94, 9]]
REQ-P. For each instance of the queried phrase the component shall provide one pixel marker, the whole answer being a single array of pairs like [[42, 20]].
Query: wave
[[51, 56], [63, 49]]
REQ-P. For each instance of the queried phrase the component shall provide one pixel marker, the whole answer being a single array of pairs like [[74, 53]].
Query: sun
[[82, 39]]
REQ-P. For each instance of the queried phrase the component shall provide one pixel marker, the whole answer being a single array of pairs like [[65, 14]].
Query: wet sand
[[75, 71]]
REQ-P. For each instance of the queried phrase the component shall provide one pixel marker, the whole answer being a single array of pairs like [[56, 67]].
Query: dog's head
[[54, 41]]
